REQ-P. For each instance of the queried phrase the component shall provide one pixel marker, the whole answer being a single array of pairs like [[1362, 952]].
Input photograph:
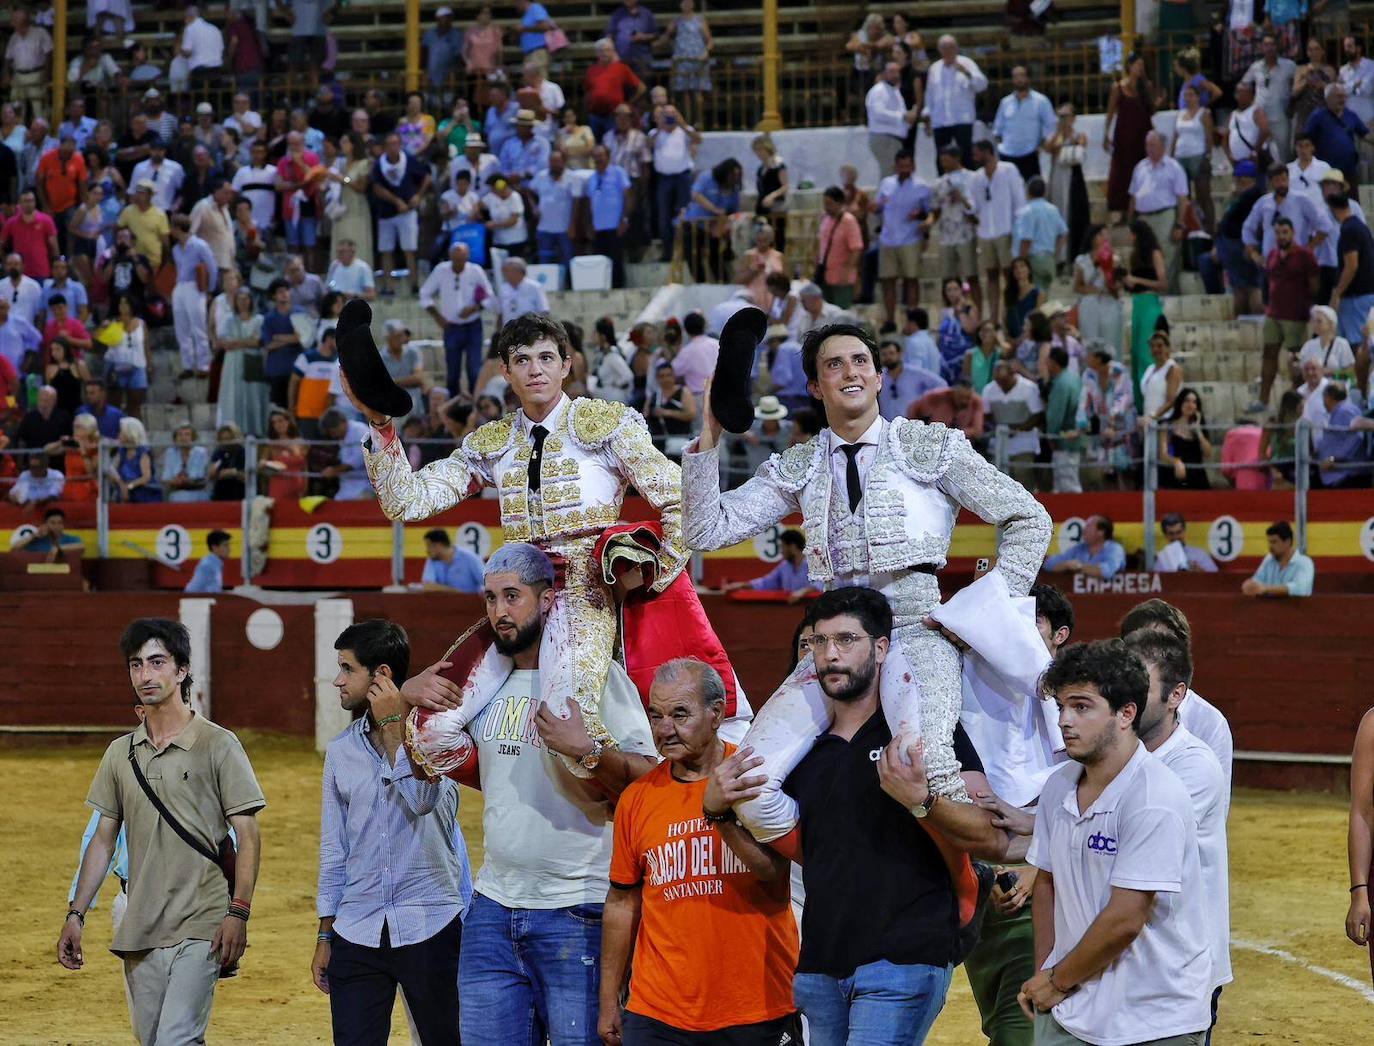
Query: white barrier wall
[[816, 154], [332, 616]]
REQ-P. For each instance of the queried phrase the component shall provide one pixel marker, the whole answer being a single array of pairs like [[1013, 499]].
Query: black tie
[[851, 475], [537, 455]]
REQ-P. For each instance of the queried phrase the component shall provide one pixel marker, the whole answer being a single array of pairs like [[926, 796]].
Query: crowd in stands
[[149, 209]]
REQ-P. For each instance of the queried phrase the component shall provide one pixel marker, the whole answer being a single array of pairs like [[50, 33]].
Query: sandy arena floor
[[1287, 875]]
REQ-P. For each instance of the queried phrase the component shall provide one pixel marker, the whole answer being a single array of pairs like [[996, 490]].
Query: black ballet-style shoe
[[362, 363], [731, 402]]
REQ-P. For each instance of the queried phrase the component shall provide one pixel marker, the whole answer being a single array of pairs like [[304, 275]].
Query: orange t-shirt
[[716, 947]]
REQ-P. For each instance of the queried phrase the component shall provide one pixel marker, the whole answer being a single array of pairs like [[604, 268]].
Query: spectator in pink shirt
[[32, 235], [696, 361], [840, 246], [958, 406], [62, 324]]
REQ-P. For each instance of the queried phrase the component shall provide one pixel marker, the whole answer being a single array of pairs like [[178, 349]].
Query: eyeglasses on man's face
[[844, 641]]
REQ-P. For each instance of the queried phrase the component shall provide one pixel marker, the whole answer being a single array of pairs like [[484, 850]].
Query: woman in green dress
[[1145, 280]]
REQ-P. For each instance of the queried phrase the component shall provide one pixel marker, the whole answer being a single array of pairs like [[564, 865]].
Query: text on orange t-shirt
[[717, 947]]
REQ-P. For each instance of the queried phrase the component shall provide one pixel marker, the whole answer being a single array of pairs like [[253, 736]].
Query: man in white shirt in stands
[[1159, 192], [674, 146], [952, 88], [455, 293], [1014, 400], [1357, 76], [166, 175], [519, 294], [1201, 718], [349, 275], [476, 161], [201, 52], [1121, 930], [998, 193], [889, 119], [1305, 172], [1272, 75], [1170, 665]]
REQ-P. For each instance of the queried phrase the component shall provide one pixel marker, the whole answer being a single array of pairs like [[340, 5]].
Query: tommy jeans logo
[[1103, 844]]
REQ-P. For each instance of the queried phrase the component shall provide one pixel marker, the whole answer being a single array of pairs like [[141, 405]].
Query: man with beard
[[1119, 906], [1170, 665], [394, 875], [878, 500], [532, 938], [880, 927]]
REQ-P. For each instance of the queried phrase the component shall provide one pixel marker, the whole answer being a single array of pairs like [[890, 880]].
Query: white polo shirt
[[1022, 403], [1137, 835], [1197, 767], [1204, 721]]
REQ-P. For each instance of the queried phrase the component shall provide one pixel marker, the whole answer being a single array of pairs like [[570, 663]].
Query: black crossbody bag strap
[[172, 823]]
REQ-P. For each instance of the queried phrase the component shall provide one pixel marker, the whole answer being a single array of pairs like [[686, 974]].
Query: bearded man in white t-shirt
[[532, 937], [1201, 718], [1170, 665]]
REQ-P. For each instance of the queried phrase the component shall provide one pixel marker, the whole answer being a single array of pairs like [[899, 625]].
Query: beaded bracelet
[[239, 909]]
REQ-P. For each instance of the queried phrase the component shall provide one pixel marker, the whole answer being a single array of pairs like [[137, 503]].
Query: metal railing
[[994, 444]]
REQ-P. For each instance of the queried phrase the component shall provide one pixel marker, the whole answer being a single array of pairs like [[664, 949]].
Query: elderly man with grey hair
[[1159, 192], [532, 937], [1336, 131], [519, 294], [952, 88], [727, 907], [815, 312]]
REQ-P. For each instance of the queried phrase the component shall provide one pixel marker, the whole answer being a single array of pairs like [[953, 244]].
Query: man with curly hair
[[561, 467]]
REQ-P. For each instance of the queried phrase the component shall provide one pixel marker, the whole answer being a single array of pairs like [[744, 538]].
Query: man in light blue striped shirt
[[1285, 573], [1025, 120], [394, 878]]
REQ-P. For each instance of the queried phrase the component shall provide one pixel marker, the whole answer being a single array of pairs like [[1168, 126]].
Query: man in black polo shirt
[[881, 924]]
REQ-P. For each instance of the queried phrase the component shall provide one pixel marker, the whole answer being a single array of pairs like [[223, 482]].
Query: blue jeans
[[672, 192], [1352, 314], [463, 341], [555, 248], [600, 125], [881, 1004], [527, 975]]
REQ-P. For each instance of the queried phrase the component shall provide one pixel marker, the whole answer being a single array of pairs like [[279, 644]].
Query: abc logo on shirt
[[1102, 844]]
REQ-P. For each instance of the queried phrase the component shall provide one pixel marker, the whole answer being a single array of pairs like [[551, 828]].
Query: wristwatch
[[925, 806], [592, 759]]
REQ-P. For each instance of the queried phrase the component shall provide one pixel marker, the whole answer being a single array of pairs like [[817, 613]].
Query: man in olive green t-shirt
[[182, 923]]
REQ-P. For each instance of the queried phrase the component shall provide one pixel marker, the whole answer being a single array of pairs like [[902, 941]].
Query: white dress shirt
[[1157, 186], [1204, 721], [951, 92], [206, 44], [1273, 87], [839, 462], [451, 295], [518, 300], [1307, 181], [166, 178], [25, 298], [672, 150], [1358, 79], [1198, 768], [997, 199], [886, 109]]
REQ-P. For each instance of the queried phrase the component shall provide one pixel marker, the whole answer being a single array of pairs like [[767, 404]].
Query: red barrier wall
[[1289, 674]]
